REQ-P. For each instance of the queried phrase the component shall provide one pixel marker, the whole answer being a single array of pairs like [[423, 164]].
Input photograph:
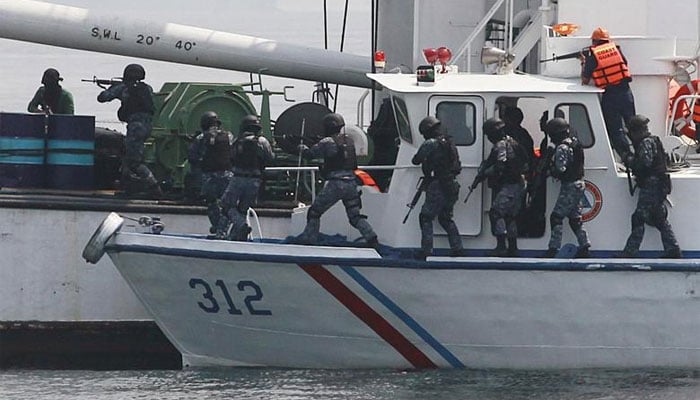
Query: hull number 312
[[210, 304]]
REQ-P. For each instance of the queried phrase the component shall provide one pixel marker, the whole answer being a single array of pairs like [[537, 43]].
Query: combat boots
[[551, 253], [583, 252], [673, 253], [512, 247], [500, 250]]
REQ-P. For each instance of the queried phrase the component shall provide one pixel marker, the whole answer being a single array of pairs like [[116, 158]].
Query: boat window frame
[[472, 130], [401, 114], [584, 144]]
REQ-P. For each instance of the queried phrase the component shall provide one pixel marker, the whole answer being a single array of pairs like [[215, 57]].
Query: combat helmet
[[332, 123], [493, 129], [428, 127], [133, 73], [209, 119], [557, 129], [250, 123], [638, 123], [51, 77]]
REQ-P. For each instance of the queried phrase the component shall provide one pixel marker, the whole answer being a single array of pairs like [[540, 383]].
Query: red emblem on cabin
[[591, 202]]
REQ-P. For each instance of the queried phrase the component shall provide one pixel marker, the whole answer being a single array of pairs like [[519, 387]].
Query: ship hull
[[56, 310], [258, 304]]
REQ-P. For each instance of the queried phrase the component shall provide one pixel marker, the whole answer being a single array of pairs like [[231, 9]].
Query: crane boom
[[83, 29]]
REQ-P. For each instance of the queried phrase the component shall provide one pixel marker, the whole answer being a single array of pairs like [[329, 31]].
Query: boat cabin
[[462, 102]]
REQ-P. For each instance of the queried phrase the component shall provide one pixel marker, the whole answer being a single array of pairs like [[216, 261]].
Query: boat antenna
[[342, 46]]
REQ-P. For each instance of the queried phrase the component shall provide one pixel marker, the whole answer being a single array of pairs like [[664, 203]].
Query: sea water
[[299, 22], [281, 384]]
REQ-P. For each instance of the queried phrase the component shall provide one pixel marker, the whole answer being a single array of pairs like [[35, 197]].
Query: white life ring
[[95, 247]]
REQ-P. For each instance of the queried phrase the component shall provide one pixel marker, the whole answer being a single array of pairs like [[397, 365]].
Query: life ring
[[683, 117], [95, 247]]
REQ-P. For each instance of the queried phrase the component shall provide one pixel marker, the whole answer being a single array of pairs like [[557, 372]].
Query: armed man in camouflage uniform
[[211, 152], [339, 164], [504, 167], [649, 168], [440, 165], [136, 110], [251, 154], [567, 167]]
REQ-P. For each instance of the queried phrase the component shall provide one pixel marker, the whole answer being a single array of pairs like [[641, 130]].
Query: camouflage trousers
[[650, 210], [439, 202], [568, 205], [214, 185], [505, 206], [240, 195], [336, 189], [134, 169]]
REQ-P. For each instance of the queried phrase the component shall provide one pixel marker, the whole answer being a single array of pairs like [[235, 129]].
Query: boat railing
[[361, 110], [314, 169]]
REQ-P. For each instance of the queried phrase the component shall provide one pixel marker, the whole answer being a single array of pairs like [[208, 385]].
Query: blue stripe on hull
[[403, 316]]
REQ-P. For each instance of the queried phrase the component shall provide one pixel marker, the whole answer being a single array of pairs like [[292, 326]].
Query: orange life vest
[[366, 179], [611, 68], [696, 112]]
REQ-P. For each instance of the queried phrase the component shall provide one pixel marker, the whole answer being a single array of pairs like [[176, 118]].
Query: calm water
[[21, 67], [357, 385]]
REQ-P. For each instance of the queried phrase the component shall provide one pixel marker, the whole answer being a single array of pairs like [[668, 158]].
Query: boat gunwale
[[477, 262]]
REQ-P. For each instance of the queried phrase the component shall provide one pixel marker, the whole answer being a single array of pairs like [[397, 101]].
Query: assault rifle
[[627, 161], [420, 188], [541, 170], [583, 53], [477, 179], [103, 83]]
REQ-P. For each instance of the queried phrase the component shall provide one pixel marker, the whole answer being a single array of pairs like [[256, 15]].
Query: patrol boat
[[269, 303], [394, 323]]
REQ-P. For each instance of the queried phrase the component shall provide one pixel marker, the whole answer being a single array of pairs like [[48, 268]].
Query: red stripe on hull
[[370, 317]]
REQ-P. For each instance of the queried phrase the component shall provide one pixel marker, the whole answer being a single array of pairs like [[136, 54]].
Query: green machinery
[[179, 107]]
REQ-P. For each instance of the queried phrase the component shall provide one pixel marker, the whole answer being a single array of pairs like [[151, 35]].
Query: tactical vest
[[611, 68], [574, 171], [217, 154], [245, 152], [444, 163], [137, 99], [658, 165], [345, 158], [515, 165]]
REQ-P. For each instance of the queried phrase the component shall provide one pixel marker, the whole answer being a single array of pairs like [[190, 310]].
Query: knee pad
[[424, 219], [556, 219], [637, 219], [575, 224], [444, 220], [313, 213], [658, 215], [495, 214], [354, 202], [356, 218]]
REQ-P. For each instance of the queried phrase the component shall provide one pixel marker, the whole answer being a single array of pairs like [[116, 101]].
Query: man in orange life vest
[[607, 67]]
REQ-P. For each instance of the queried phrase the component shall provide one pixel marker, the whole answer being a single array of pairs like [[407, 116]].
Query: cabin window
[[580, 123], [459, 121], [402, 121]]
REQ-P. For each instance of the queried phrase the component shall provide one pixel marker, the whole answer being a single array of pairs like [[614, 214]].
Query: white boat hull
[[263, 305]]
